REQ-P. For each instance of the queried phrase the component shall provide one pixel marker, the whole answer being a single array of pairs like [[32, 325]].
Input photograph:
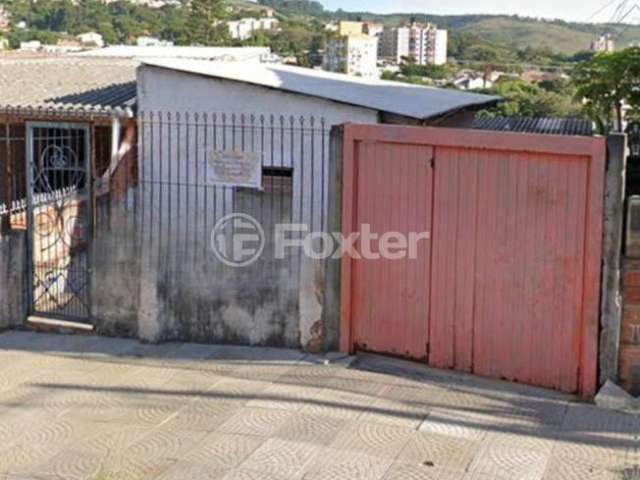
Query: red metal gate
[[508, 285]]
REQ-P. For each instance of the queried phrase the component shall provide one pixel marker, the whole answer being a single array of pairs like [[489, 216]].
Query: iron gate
[[59, 216]]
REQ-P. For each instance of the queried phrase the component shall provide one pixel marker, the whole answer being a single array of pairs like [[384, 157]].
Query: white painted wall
[[284, 145], [179, 209]]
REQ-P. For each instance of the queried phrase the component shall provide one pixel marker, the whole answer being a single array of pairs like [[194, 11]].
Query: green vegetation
[[607, 82], [117, 22], [546, 99], [205, 26], [299, 39]]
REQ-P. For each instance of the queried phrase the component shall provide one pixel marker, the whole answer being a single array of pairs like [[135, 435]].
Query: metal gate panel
[[393, 194], [515, 256], [59, 216]]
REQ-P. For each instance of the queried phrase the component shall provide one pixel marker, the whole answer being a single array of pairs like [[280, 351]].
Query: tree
[[605, 83], [522, 99], [206, 26]]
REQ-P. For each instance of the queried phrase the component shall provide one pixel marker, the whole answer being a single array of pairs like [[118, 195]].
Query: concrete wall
[[13, 307], [185, 293]]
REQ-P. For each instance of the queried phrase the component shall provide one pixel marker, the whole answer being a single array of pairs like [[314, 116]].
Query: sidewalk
[[81, 407]]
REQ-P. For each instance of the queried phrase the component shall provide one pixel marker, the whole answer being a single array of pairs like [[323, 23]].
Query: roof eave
[[126, 111]]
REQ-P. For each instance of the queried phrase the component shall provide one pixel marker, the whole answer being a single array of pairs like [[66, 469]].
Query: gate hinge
[[432, 162], [428, 349]]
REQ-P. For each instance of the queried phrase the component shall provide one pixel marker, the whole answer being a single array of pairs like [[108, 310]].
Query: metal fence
[[179, 204], [12, 181]]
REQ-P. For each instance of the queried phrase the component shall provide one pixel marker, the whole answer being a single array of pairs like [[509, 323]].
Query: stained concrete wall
[[187, 298], [115, 277], [13, 307]]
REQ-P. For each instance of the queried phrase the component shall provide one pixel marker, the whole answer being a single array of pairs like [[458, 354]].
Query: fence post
[[7, 174], [611, 306], [332, 299]]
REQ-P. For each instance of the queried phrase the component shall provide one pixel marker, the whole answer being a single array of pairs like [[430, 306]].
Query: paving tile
[[344, 405], [83, 408], [541, 441], [568, 468], [404, 471], [222, 451], [282, 457], [192, 471], [454, 424], [335, 464], [287, 397], [516, 463], [243, 474], [375, 439], [203, 414], [440, 451], [396, 413], [309, 428], [255, 421]]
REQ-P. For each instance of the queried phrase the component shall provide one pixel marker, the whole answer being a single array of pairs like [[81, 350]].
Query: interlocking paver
[[83, 408]]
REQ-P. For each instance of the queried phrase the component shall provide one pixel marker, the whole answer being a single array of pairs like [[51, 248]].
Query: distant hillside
[[559, 36], [508, 31]]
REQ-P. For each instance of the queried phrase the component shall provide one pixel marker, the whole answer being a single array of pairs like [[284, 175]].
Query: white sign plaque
[[235, 168]]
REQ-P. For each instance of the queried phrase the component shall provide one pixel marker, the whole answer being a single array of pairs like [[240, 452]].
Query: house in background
[[91, 39], [274, 122], [235, 54]]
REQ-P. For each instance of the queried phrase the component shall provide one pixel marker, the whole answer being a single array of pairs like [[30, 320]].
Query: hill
[[513, 32]]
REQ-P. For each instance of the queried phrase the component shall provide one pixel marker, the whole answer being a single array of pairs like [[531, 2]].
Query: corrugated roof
[[202, 53], [68, 85], [411, 101], [550, 126]]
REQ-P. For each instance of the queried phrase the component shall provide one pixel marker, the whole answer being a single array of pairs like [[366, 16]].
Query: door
[[513, 285], [59, 213], [390, 307]]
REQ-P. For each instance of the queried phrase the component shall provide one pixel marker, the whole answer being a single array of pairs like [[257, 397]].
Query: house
[[145, 41], [31, 46], [548, 126], [472, 81], [71, 123], [244, 28], [285, 90], [225, 138], [245, 54], [91, 39]]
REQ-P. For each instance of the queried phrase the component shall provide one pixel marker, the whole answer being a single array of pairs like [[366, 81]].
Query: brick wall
[[630, 330]]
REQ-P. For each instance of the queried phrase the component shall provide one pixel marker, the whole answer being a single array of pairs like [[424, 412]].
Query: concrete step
[[55, 325]]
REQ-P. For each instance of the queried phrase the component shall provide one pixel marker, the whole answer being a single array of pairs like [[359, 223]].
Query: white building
[[244, 28], [355, 55], [152, 42], [424, 42], [240, 54], [373, 29], [91, 39], [4, 19], [472, 81], [604, 43], [394, 44], [31, 46]]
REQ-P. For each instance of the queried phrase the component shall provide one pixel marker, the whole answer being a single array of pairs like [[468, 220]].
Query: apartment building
[[605, 43], [244, 28], [424, 42], [355, 55]]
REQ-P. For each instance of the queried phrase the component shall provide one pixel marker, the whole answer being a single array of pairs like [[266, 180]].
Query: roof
[[102, 87], [202, 53], [550, 126], [402, 99]]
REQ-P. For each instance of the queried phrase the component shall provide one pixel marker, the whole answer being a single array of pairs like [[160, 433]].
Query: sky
[[575, 10]]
